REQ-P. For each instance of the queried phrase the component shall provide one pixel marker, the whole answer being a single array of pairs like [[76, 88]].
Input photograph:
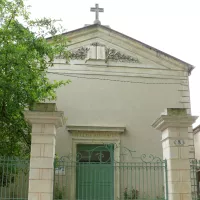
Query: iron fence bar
[[2, 178], [193, 177], [150, 179], [6, 178], [10, 177], [126, 168], [139, 176], [158, 179], [13, 175], [147, 179], [166, 178], [132, 186], [154, 178], [54, 175]]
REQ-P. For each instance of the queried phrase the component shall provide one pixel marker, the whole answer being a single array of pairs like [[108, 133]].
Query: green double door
[[94, 172]]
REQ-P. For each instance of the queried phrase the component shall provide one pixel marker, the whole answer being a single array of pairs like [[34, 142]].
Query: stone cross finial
[[97, 10]]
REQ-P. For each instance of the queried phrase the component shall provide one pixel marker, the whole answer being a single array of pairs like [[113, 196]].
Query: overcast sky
[[172, 26]]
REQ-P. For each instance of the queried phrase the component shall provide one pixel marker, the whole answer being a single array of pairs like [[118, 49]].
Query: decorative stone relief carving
[[99, 51], [113, 54], [79, 54]]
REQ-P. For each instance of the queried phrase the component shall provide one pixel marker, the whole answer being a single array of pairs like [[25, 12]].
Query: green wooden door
[[95, 175]]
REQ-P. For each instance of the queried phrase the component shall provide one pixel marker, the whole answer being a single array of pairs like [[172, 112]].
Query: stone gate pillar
[[44, 120], [174, 125]]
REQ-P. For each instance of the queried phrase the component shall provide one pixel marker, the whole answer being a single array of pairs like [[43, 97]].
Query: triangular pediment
[[97, 43]]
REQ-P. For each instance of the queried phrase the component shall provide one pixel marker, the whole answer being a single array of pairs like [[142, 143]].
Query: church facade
[[118, 85], [121, 130]]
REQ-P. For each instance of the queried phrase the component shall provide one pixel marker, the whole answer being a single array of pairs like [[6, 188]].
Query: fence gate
[[109, 172], [14, 178], [195, 178]]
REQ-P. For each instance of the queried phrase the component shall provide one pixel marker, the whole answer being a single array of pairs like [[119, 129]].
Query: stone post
[[174, 125], [44, 120]]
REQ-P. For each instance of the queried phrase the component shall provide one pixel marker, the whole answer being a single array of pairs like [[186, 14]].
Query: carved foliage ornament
[[79, 54], [113, 54]]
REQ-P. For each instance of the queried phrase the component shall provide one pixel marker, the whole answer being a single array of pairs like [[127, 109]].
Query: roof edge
[[190, 67], [196, 129]]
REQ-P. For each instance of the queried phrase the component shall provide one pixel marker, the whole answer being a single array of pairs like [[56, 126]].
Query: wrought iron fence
[[96, 174], [14, 173], [195, 178]]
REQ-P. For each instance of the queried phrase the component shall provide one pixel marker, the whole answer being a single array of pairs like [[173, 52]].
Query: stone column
[[44, 120], [174, 125]]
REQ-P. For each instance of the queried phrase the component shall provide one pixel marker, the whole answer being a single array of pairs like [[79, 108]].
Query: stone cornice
[[37, 117], [118, 69], [174, 117], [75, 128]]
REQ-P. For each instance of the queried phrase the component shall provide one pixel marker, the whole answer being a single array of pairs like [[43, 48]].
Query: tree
[[25, 56]]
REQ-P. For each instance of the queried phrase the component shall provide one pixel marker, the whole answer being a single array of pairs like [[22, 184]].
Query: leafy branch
[[25, 57]]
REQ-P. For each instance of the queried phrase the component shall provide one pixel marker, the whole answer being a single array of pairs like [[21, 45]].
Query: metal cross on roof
[[97, 10]]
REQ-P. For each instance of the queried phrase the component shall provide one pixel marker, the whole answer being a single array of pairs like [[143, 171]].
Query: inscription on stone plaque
[[179, 142], [95, 134]]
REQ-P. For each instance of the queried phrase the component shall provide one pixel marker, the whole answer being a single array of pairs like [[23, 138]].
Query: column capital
[[174, 117], [45, 113]]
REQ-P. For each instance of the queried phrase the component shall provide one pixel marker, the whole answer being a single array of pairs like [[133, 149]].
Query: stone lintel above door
[[96, 132], [116, 129]]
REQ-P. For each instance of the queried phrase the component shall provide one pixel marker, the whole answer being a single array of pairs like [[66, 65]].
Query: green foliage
[[25, 56], [58, 193], [132, 194]]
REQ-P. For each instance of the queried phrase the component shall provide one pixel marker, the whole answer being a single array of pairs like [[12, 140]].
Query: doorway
[[95, 172]]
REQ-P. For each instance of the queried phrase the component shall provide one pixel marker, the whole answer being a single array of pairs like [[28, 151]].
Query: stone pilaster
[[174, 125], [44, 120]]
